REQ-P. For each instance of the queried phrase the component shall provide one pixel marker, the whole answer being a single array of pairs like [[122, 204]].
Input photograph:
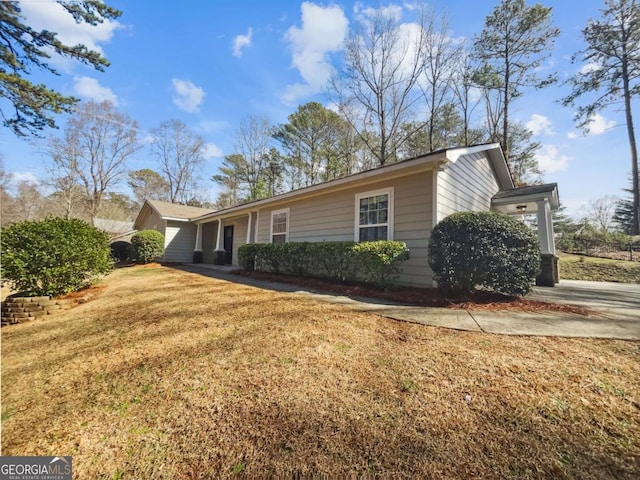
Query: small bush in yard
[[120, 250], [53, 256], [380, 261], [483, 249], [147, 246]]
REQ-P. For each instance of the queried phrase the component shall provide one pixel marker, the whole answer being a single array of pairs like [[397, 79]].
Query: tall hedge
[[379, 262], [489, 250], [53, 256], [147, 246]]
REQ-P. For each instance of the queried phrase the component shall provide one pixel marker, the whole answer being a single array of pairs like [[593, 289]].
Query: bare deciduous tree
[[180, 153], [252, 142], [376, 91], [441, 59], [93, 152], [601, 212]]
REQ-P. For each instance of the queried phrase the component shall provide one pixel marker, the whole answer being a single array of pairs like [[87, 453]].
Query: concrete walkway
[[617, 307]]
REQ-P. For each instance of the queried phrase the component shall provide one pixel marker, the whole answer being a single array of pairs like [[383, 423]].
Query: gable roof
[[401, 168], [113, 226], [170, 211], [509, 200], [175, 210]]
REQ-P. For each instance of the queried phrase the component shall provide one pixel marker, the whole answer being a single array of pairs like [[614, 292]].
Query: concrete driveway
[[616, 307], [616, 300]]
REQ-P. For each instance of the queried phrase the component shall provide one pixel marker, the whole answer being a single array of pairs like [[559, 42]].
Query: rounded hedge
[[147, 246], [489, 250], [53, 256]]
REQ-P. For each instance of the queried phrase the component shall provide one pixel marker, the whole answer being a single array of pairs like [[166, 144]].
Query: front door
[[228, 245]]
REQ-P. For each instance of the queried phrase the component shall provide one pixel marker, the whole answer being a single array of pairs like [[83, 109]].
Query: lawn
[[167, 374], [577, 267]]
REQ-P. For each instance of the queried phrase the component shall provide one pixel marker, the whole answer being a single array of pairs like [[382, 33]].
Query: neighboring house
[[401, 201], [116, 229]]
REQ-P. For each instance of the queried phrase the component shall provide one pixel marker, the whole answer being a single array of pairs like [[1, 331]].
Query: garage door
[[180, 240]]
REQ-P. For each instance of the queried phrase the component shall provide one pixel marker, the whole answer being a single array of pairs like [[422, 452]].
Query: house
[[116, 229], [172, 221], [401, 201]]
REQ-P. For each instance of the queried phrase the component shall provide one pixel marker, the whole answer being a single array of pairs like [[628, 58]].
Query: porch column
[[249, 228], [197, 251], [218, 253], [549, 262], [544, 216]]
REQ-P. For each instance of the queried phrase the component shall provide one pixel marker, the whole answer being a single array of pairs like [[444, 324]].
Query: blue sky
[[212, 63]]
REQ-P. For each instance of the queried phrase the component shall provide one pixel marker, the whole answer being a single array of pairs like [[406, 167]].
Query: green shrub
[[53, 256], [147, 246], [247, 255], [334, 260], [483, 249], [296, 258], [120, 250], [380, 261]]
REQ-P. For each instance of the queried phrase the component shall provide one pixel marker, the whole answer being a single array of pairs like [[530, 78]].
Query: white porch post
[[198, 247], [219, 245], [219, 253], [249, 227], [552, 240], [197, 251], [545, 227]]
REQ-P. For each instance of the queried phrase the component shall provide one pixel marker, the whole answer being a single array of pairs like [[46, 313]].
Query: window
[[280, 226], [374, 216]]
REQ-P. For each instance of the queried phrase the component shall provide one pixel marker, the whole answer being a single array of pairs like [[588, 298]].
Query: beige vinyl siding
[[209, 238], [331, 217], [466, 185], [179, 241], [152, 221]]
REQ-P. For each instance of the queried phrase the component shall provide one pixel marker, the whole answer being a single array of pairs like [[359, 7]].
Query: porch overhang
[[526, 200], [540, 200]]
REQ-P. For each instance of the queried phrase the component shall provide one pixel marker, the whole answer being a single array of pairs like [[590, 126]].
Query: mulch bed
[[423, 297], [84, 295]]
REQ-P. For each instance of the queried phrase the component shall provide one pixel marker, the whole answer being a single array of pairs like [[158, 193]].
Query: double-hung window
[[374, 216], [280, 226]]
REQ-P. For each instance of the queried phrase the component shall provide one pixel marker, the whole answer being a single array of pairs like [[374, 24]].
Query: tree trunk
[[635, 218]]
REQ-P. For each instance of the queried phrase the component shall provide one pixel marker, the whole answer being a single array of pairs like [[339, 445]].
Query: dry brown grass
[[171, 375]]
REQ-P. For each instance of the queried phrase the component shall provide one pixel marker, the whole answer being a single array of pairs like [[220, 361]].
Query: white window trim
[[390, 216], [286, 234]]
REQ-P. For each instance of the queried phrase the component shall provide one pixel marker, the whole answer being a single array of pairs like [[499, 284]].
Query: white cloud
[[323, 31], [589, 67], [49, 15], [550, 159], [391, 11], [87, 87], [572, 135], [540, 125], [188, 97], [211, 150], [240, 42], [27, 177], [599, 125]]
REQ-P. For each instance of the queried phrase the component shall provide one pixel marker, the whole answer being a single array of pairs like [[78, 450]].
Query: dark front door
[[228, 245]]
